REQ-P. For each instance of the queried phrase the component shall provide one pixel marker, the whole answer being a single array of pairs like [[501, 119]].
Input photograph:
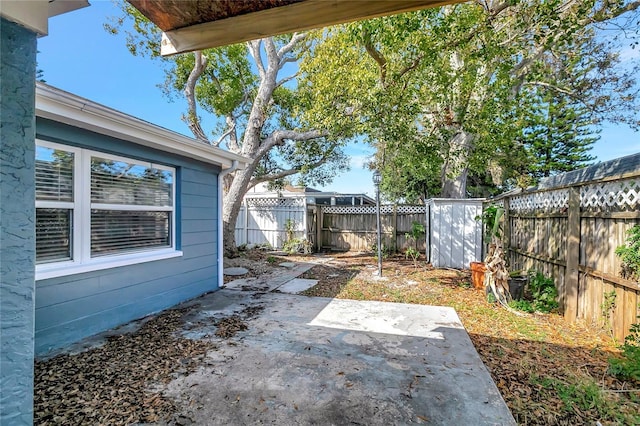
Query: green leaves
[[629, 253], [506, 75]]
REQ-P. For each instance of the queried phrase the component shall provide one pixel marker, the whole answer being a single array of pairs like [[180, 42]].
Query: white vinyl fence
[[263, 220], [455, 236]]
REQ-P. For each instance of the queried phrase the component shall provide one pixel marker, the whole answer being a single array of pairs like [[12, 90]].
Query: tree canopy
[[464, 99], [246, 98], [463, 93]]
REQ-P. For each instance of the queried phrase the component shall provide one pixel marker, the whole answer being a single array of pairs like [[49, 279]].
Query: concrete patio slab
[[297, 285], [326, 361], [270, 282]]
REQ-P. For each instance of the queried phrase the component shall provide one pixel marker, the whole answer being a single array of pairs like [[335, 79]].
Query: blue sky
[[79, 56]]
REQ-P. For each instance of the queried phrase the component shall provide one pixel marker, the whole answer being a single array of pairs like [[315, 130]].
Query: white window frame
[[81, 219]]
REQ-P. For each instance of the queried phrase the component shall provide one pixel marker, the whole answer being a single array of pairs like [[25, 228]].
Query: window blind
[[53, 235], [54, 174], [119, 182], [116, 231]]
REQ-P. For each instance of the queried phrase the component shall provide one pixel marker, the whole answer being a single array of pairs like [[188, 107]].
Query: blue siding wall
[[17, 234], [75, 306]]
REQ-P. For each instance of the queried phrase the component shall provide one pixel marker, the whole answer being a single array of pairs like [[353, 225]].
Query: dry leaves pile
[[112, 384], [228, 327]]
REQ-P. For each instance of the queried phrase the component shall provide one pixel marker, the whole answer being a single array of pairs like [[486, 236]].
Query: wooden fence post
[[506, 234], [319, 224], [569, 294], [395, 228]]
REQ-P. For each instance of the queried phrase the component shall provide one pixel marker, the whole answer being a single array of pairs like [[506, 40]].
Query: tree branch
[[287, 59], [292, 171], [233, 135], [411, 66], [552, 87], [254, 49], [192, 119], [273, 59], [231, 128], [295, 39], [273, 176], [602, 14], [376, 55], [259, 106], [279, 136], [286, 79]]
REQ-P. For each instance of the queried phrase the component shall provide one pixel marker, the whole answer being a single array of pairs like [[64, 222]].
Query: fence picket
[[569, 227]]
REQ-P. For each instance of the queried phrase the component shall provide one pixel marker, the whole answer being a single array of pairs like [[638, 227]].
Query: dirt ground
[[548, 372]]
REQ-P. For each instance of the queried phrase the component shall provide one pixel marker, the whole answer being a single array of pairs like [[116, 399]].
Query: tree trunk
[[254, 144], [231, 207], [456, 169]]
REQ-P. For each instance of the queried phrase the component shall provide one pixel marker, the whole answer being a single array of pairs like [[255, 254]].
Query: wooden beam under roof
[[200, 24]]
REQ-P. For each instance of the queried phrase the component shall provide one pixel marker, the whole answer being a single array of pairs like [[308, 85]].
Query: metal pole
[[378, 226]]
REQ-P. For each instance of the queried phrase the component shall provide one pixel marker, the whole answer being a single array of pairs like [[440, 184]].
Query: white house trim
[[35, 14], [64, 107]]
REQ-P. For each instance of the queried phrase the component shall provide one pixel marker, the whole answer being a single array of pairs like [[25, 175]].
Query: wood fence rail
[[568, 228], [345, 228]]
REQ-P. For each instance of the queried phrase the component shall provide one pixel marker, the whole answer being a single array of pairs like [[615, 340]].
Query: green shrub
[[411, 253], [297, 246], [628, 367], [522, 305], [384, 250], [544, 294], [417, 232], [491, 219], [630, 254]]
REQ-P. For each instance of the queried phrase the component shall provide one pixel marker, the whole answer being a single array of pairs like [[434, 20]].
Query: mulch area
[[113, 384], [121, 381], [549, 372]]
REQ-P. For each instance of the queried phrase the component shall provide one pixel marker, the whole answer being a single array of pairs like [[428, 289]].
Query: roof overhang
[[64, 107], [189, 25], [35, 14]]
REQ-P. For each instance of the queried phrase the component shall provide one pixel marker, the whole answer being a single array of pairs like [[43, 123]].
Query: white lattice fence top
[[372, 209], [540, 201], [411, 209], [621, 195], [275, 202]]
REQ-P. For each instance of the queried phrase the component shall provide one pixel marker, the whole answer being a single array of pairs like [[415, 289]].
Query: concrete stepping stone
[[288, 265], [235, 271], [297, 285]]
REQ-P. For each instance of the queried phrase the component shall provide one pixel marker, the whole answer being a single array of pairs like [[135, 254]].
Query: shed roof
[[64, 107]]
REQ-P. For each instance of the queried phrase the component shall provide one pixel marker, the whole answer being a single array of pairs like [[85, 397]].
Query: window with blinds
[[131, 206], [91, 205], [54, 204]]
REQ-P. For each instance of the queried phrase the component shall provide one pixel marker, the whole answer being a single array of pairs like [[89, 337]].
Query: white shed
[[454, 235]]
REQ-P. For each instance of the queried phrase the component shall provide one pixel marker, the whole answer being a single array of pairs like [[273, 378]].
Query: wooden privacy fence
[[345, 228], [568, 228], [263, 220]]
